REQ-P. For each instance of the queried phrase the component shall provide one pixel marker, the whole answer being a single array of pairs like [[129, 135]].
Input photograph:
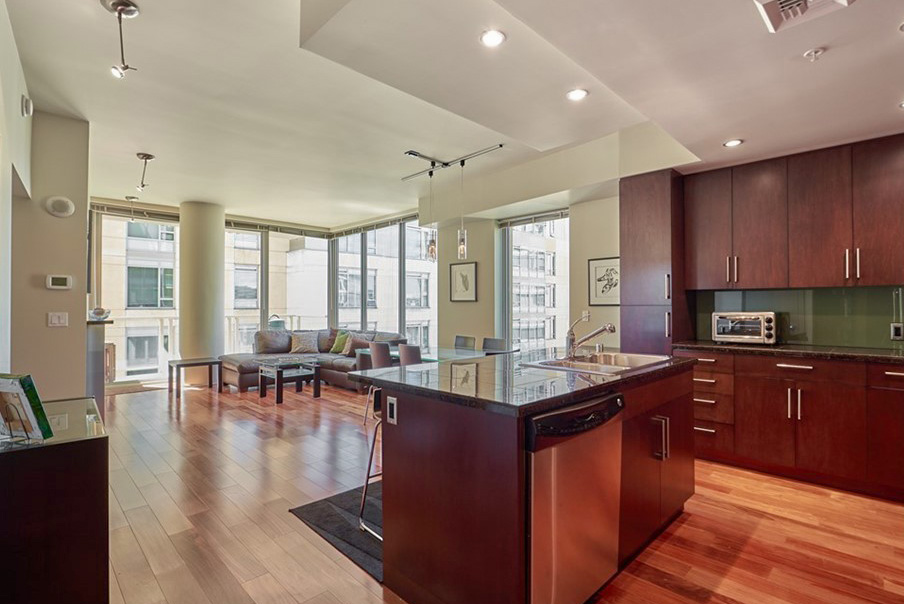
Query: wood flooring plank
[[267, 590], [214, 577]]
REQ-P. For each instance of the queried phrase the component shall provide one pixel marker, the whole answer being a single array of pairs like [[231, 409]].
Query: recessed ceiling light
[[901, 104], [732, 142], [901, 28], [492, 38], [578, 94]]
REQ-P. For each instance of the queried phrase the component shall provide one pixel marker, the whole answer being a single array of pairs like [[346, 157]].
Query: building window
[[417, 240], [418, 333], [247, 241], [417, 290], [551, 264], [350, 244], [148, 230], [246, 336], [246, 284], [141, 354], [350, 288], [149, 287]]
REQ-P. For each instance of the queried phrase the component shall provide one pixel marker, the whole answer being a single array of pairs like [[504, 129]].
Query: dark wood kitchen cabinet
[[820, 219], [759, 230], [878, 182], [885, 425], [646, 329], [657, 472], [707, 230], [764, 430], [831, 429]]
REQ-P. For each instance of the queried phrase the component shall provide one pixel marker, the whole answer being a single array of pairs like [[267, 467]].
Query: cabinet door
[[885, 424], [820, 218], [640, 488], [677, 473], [878, 174], [831, 429], [759, 207], [707, 229], [646, 329], [645, 219], [764, 428]]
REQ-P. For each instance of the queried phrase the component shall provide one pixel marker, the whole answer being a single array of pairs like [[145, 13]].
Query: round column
[[202, 268]]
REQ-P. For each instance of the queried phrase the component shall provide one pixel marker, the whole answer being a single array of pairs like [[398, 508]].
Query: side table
[[177, 365]]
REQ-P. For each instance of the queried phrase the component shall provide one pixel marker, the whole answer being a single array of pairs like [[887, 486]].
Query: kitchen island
[[457, 470]]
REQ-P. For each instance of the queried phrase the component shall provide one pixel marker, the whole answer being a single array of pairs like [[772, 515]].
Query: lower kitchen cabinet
[[885, 423], [764, 428], [657, 472], [831, 429], [713, 440]]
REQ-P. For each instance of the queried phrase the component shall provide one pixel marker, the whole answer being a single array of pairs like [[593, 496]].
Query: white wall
[[43, 244], [594, 234]]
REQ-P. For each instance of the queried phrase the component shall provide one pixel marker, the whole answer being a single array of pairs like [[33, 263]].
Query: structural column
[[202, 267]]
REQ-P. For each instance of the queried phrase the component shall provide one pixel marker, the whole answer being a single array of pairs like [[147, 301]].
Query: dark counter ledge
[[500, 384], [841, 353]]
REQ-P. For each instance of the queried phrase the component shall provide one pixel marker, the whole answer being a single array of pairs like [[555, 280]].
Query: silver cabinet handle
[[735, 269], [857, 262], [847, 263], [707, 430], [727, 269], [789, 403], [663, 425], [668, 437], [788, 366], [668, 324], [704, 380], [702, 360], [894, 373], [704, 400], [668, 286], [798, 404]]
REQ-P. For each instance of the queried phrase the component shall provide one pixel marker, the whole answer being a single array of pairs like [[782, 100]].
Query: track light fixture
[[145, 158], [122, 9]]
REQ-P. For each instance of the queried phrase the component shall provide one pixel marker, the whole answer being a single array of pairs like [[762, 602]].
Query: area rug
[[336, 520]]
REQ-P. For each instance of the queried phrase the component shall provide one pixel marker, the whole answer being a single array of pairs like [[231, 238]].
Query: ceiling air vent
[[782, 14]]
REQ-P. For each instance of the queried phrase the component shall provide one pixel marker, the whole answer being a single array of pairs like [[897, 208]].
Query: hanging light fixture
[[431, 245], [462, 233], [145, 158], [122, 9], [131, 199]]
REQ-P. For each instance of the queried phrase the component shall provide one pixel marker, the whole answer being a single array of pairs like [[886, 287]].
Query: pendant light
[[131, 199], [145, 158], [462, 233], [122, 9], [431, 245]]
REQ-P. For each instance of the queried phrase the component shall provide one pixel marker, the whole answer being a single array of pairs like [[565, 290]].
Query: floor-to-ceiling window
[[421, 284], [349, 286], [382, 290], [539, 295], [298, 281], [243, 289]]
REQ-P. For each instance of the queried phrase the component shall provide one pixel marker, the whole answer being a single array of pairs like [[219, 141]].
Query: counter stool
[[379, 359]]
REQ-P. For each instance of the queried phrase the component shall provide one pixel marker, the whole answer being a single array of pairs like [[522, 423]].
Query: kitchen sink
[[601, 363]]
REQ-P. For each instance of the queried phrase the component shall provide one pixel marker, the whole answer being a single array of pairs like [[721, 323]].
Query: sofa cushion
[[354, 344], [305, 342], [326, 338], [344, 364], [388, 336], [339, 344], [270, 341]]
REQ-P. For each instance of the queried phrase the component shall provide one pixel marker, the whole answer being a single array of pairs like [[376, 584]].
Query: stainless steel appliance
[[575, 486], [745, 327]]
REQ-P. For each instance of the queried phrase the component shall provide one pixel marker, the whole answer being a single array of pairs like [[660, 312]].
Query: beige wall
[[476, 319], [43, 244], [594, 234]]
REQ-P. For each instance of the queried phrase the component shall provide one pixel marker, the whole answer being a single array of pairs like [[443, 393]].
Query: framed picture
[[463, 282], [605, 277], [464, 378]]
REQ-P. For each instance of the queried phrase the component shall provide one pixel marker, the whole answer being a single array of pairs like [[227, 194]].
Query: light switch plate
[[585, 315], [58, 319], [392, 410], [897, 331]]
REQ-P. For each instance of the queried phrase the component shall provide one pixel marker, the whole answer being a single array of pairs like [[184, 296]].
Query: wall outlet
[[58, 319], [392, 410], [897, 331]]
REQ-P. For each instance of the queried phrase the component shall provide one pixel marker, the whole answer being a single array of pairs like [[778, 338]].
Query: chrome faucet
[[571, 343]]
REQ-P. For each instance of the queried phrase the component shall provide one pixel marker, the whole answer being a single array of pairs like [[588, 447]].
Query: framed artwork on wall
[[604, 276], [463, 282]]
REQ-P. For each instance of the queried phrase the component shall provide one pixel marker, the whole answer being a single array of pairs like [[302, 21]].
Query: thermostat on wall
[[59, 281]]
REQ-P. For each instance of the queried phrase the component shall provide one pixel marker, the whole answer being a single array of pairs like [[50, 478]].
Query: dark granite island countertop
[[499, 383]]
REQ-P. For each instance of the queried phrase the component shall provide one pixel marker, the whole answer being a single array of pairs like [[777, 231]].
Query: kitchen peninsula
[[460, 481]]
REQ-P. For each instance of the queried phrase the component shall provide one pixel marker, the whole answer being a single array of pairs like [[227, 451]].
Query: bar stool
[[379, 359]]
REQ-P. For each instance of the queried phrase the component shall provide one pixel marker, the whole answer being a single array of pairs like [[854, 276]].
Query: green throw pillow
[[339, 344]]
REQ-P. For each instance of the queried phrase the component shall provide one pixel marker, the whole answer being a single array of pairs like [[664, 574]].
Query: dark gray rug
[[336, 520]]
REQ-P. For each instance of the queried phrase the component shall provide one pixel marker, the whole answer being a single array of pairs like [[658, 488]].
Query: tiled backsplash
[[844, 316]]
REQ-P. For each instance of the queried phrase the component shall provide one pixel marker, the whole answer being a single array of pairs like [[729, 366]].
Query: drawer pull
[[707, 430], [704, 400], [702, 360], [705, 381], [894, 373], [787, 366]]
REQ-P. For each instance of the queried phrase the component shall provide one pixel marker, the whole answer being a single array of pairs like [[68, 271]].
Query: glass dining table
[[432, 355]]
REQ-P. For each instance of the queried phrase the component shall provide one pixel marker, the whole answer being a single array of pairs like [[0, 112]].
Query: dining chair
[[465, 342], [494, 345], [409, 354], [379, 359]]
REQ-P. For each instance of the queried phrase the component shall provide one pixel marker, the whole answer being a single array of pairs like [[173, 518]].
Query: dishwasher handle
[[547, 428]]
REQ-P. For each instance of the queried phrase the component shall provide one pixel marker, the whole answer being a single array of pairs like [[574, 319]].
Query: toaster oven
[[745, 327]]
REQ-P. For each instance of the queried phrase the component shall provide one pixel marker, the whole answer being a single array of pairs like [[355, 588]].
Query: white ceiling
[[239, 114]]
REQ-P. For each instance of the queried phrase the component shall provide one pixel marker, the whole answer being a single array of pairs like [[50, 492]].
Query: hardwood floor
[[200, 490]]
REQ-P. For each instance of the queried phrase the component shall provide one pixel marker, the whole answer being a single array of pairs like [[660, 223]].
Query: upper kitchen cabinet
[[707, 230], [651, 236], [878, 191], [820, 216], [759, 230]]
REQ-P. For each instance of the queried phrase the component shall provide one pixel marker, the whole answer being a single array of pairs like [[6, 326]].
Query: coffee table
[[288, 369]]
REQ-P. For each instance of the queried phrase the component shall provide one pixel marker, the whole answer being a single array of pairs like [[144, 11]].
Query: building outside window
[[242, 288], [142, 352], [421, 283], [246, 287], [247, 241], [418, 333], [350, 288], [149, 287], [417, 290]]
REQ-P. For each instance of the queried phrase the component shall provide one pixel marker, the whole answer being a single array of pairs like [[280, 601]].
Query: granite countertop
[[843, 353], [499, 383]]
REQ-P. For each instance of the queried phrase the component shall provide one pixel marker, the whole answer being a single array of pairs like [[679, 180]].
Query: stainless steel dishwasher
[[575, 486]]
